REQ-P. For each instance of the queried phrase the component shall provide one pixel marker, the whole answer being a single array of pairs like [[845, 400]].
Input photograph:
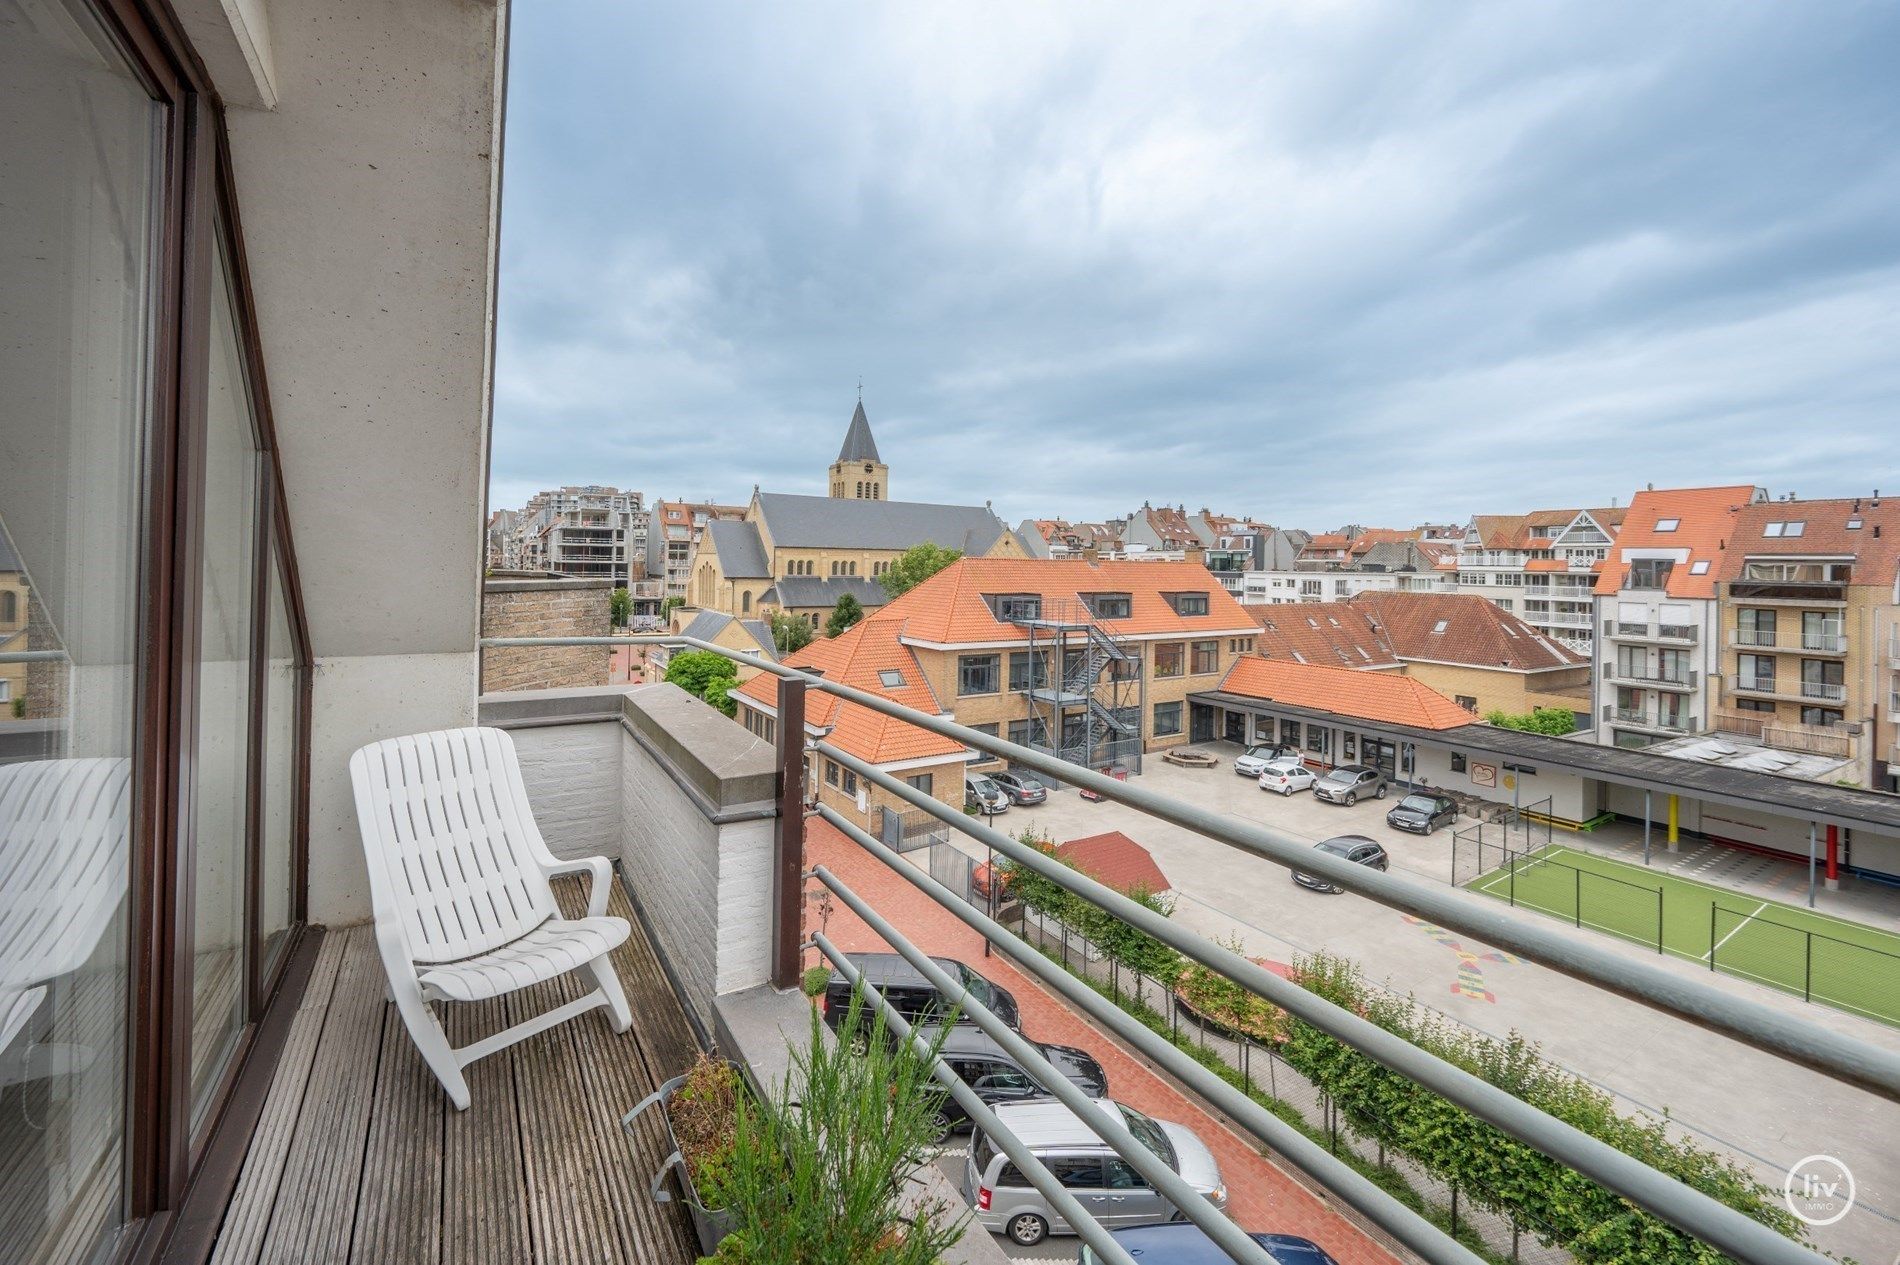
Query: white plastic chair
[[459, 882], [64, 827]]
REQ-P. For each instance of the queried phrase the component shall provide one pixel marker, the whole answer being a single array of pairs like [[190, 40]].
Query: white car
[[1286, 775], [1256, 758]]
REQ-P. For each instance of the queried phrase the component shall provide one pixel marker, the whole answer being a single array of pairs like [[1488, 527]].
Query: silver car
[[1350, 783], [1104, 1183]]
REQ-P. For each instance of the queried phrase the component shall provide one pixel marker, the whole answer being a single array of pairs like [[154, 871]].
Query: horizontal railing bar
[[1188, 1201], [1080, 1219], [1411, 1229], [32, 656], [1680, 1205], [1845, 1058]]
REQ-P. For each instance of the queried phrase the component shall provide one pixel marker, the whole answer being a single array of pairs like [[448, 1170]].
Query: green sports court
[[1824, 959]]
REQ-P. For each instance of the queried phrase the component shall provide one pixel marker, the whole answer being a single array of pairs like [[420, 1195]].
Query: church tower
[[857, 474]]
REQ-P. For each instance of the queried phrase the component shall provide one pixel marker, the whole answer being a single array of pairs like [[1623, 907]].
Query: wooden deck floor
[[359, 1157]]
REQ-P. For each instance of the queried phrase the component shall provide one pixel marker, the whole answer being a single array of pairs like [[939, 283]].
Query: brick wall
[[545, 608]]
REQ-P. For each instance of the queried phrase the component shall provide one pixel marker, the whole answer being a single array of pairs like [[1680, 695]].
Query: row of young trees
[[1493, 1170]]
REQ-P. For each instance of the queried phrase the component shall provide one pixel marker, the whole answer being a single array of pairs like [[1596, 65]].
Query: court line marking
[[1716, 947]]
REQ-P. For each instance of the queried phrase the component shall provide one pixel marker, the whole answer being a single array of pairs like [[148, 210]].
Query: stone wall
[[545, 608]]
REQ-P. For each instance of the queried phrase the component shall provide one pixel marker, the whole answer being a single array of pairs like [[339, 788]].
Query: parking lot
[[1761, 1109]]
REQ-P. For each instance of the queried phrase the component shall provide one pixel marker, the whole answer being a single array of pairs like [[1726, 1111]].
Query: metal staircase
[[1092, 714]]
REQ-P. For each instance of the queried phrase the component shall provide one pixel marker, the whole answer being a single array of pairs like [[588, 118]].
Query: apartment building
[[593, 532], [1808, 620], [1059, 538], [1369, 566], [1541, 566], [1659, 649], [1091, 661], [675, 530]]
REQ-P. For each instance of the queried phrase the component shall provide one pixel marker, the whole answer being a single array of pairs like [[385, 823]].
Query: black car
[[909, 993], [1422, 812], [1355, 848], [1022, 788], [996, 1076]]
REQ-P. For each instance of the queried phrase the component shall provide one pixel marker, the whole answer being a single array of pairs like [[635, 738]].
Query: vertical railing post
[[788, 842]]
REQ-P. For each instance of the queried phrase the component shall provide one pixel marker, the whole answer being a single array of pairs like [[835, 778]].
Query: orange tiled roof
[[856, 657], [949, 609], [1377, 696], [1824, 531], [1322, 632], [1546, 564], [1476, 631], [1115, 860], [1705, 524]]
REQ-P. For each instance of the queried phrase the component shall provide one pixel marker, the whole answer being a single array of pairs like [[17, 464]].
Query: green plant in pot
[[819, 1172]]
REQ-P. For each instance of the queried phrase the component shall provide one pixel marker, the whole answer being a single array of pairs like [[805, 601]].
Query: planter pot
[[710, 1225]]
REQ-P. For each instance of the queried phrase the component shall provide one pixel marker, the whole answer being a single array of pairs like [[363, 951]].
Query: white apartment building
[[1541, 567], [593, 531], [1658, 661]]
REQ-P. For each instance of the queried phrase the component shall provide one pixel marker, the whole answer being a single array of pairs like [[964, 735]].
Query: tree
[[847, 612], [1555, 721], [620, 608], [706, 676], [915, 565], [790, 634], [671, 604]]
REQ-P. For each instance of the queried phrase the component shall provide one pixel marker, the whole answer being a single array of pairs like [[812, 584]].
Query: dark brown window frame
[[197, 199]]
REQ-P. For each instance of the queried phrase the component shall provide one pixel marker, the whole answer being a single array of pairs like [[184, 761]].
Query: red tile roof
[[1378, 696], [1334, 633], [1115, 860], [1874, 545], [949, 609], [1475, 631], [856, 658], [1705, 523]]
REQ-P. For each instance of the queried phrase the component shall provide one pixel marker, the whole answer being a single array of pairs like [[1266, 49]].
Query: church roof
[[858, 444]]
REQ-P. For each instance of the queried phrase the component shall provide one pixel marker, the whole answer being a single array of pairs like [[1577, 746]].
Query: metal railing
[[1842, 1057]]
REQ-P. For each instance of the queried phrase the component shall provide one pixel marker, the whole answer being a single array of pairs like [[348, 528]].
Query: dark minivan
[[909, 993], [996, 1076]]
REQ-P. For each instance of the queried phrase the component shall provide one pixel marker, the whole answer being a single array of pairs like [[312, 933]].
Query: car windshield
[[1419, 804], [1258, 752], [1335, 847], [977, 986], [1149, 1132], [1343, 775], [1025, 782], [984, 786]]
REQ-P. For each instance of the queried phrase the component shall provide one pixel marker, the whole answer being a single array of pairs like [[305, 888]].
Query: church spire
[[858, 444]]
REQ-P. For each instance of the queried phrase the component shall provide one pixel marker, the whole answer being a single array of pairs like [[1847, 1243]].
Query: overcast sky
[[1318, 263]]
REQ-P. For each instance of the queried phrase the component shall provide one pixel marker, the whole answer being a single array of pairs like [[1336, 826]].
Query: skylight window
[[1794, 527], [1298, 657], [1668, 524], [1311, 622], [1853, 524], [891, 678], [1441, 625], [1363, 654], [1699, 568]]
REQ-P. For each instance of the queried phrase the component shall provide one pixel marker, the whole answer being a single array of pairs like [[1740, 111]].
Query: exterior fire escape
[[1087, 691]]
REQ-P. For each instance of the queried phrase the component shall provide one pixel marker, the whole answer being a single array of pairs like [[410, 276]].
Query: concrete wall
[[546, 608]]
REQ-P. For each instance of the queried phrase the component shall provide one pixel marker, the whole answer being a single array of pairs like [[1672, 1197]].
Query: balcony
[[1654, 678], [1655, 722], [703, 875], [1658, 634], [1788, 592], [1826, 643]]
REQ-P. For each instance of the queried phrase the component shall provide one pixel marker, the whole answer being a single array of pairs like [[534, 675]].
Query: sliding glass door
[[82, 147], [153, 664]]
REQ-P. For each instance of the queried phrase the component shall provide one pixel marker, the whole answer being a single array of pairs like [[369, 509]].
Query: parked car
[[1286, 775], [1355, 848], [909, 993], [1022, 788], [1422, 812], [1184, 1243], [996, 1076], [1107, 1185], [1350, 783], [1250, 762], [984, 795]]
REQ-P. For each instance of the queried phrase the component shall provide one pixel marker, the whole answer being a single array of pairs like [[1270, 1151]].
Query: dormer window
[[1188, 603], [1013, 606], [1109, 605]]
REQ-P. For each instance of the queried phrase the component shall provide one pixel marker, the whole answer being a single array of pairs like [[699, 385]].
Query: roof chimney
[[1092, 553]]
